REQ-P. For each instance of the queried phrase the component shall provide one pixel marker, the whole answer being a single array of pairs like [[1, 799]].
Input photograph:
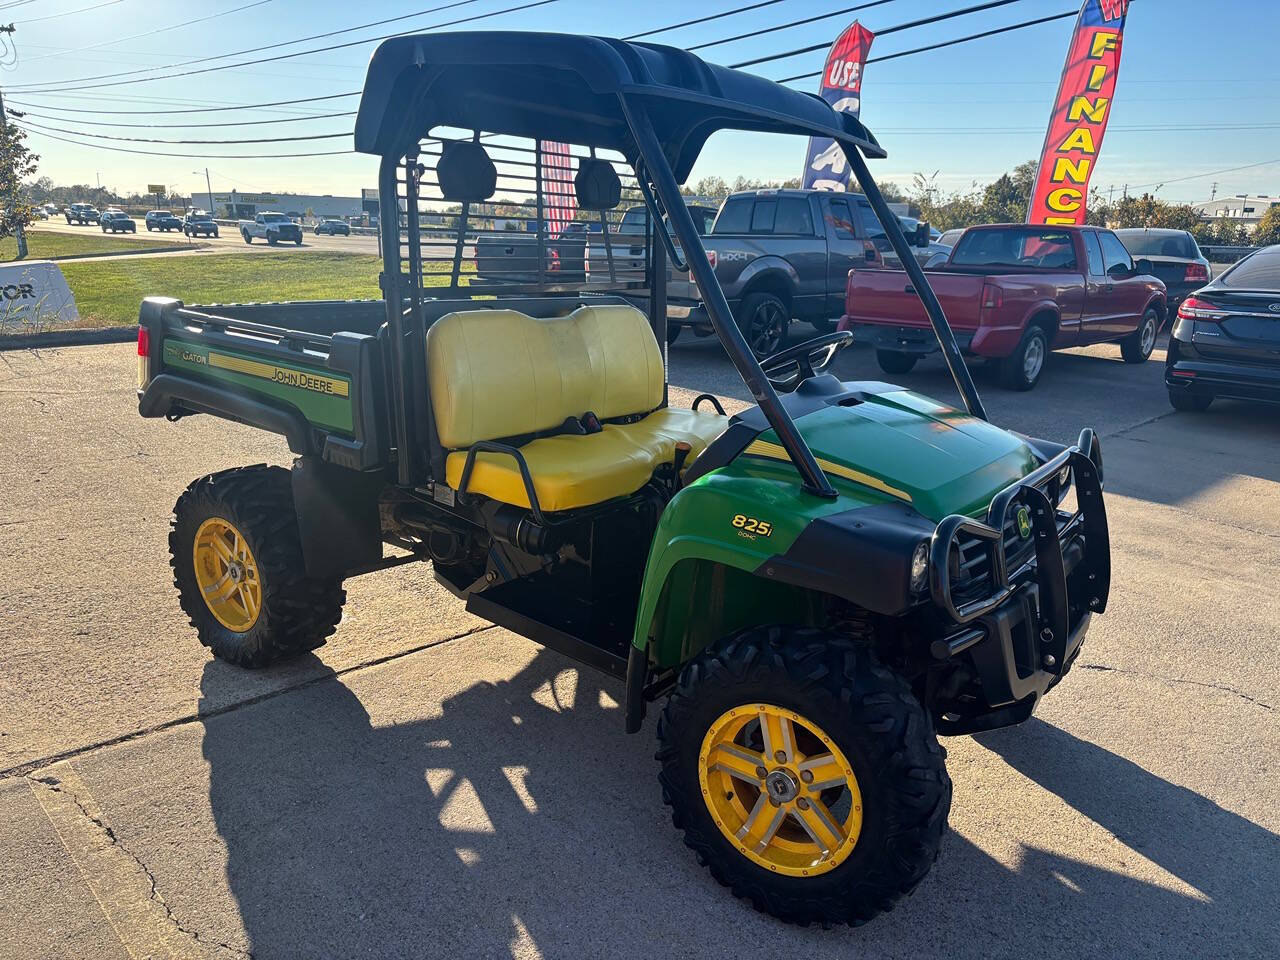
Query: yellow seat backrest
[[502, 373]]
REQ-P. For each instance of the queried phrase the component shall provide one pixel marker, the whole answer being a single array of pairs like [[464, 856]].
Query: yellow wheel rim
[[227, 574], [780, 790]]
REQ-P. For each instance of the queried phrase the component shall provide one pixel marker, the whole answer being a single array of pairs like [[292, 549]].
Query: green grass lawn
[[109, 292], [46, 244]]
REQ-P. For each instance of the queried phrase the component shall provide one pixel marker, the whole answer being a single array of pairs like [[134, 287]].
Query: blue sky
[[1186, 66]]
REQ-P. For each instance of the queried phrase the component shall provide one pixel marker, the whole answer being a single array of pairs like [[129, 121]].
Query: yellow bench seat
[[570, 472]]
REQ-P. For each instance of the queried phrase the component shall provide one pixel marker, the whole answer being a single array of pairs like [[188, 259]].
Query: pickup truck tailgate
[[887, 296]]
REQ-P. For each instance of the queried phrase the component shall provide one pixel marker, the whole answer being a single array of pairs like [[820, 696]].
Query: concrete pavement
[[428, 785]]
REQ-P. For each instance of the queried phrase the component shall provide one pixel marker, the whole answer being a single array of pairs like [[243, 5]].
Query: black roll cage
[[702, 98]]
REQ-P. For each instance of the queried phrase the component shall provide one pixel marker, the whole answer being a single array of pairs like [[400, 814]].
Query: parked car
[[1012, 293], [200, 223], [162, 220], [117, 221], [333, 228], [50, 210], [1226, 339], [82, 213], [948, 238], [1175, 258], [271, 227], [783, 255]]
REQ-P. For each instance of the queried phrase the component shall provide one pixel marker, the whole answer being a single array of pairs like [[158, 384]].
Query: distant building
[[243, 205], [1243, 209]]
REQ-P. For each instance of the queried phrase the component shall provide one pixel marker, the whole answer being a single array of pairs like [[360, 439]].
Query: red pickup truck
[[1012, 293]]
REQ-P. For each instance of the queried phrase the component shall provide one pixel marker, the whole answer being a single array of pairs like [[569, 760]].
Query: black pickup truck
[[784, 255]]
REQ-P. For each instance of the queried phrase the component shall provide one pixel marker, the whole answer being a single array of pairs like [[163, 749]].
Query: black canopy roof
[[566, 87]]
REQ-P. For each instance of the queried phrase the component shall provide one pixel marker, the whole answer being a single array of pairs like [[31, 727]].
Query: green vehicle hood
[[900, 443]]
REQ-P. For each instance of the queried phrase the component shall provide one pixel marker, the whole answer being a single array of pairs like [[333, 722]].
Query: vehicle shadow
[[518, 820]]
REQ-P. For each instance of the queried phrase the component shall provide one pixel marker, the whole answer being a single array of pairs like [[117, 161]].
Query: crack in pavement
[[24, 769], [153, 894], [1106, 668]]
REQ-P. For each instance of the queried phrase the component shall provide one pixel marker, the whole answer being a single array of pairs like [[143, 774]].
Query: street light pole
[[208, 185], [19, 231]]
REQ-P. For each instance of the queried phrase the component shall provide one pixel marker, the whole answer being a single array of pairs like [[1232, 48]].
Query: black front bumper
[[1022, 637]]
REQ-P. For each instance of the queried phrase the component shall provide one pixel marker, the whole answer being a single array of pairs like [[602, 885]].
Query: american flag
[[559, 197]]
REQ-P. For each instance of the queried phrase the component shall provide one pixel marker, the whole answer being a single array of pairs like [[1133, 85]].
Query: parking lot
[[429, 783]]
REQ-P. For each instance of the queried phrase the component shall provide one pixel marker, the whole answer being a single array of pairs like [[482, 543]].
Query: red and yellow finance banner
[[1080, 113]]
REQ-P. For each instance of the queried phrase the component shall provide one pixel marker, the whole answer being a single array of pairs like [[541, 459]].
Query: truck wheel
[[1136, 347], [1189, 402], [298, 242], [895, 361], [271, 239], [237, 564], [1021, 370], [804, 775], [764, 320], [247, 237]]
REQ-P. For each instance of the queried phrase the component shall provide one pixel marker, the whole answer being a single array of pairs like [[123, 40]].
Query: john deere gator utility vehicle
[[817, 586]]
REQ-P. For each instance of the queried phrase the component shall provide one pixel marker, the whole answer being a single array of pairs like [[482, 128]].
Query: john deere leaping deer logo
[[1023, 517]]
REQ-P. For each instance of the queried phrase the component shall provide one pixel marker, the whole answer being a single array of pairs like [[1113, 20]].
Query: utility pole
[[19, 231], [209, 186], [1213, 191]]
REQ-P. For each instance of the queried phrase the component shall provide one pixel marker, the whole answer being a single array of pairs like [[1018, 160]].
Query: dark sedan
[[1175, 258], [1226, 340], [162, 220], [117, 221], [334, 228]]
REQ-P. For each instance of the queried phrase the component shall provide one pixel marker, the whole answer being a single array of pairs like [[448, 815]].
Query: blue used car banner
[[825, 167]]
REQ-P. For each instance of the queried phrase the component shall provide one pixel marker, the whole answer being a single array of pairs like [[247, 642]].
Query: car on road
[[1175, 259], [1225, 341], [82, 213], [784, 255], [333, 228], [819, 585], [162, 220], [272, 227], [1013, 292], [117, 221], [200, 223]]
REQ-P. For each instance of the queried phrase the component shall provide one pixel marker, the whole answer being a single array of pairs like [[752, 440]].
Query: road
[[427, 785]]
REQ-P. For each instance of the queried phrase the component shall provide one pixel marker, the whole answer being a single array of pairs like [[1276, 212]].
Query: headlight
[[920, 567]]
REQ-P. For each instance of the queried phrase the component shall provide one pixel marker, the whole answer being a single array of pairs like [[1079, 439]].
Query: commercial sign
[[157, 188], [34, 296], [254, 198], [1080, 112], [825, 166]]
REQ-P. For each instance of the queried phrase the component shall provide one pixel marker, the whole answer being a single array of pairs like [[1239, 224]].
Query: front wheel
[[298, 242], [764, 320], [1137, 347], [237, 563], [804, 775], [895, 361], [1021, 370], [247, 238]]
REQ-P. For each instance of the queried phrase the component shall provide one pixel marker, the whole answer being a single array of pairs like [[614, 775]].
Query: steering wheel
[[808, 359]]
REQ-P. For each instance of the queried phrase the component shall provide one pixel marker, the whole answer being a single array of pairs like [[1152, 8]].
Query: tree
[[1268, 228], [16, 164]]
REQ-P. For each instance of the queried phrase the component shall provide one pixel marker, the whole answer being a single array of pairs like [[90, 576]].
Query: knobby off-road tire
[[872, 718], [1137, 347], [295, 613]]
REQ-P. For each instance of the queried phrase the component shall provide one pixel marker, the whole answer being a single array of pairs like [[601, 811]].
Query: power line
[[239, 106], [937, 18], [707, 19], [55, 16], [190, 156], [786, 26], [170, 126], [149, 33], [947, 43], [300, 53], [1211, 173], [103, 136]]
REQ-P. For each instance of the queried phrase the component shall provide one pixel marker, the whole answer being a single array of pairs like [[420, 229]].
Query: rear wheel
[[247, 237], [237, 563], [895, 361], [764, 320], [804, 775], [1021, 370], [1136, 347], [1189, 402]]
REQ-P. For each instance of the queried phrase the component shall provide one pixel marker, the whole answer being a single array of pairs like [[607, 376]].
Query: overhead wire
[[188, 156], [69, 13], [706, 19], [787, 26], [104, 136], [240, 106], [172, 126]]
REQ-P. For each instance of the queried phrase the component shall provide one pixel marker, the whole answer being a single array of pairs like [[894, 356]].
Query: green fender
[[701, 581]]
